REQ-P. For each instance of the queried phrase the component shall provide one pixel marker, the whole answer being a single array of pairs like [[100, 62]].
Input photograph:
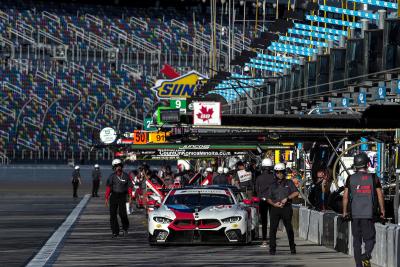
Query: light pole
[[44, 118], [124, 111], [33, 98], [68, 121]]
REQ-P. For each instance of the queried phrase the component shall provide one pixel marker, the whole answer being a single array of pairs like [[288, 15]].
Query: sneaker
[[365, 259], [293, 250], [272, 252], [366, 263], [125, 233], [263, 244], [114, 236]]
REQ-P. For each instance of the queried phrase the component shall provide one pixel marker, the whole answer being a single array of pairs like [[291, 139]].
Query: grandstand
[[68, 69]]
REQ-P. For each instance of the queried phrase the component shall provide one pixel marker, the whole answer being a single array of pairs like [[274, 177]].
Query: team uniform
[[96, 176], [76, 176], [263, 183], [220, 179], [364, 211], [278, 191], [245, 180], [118, 189]]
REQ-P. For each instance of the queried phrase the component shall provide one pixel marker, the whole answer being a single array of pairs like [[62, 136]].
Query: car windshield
[[238, 196], [199, 200]]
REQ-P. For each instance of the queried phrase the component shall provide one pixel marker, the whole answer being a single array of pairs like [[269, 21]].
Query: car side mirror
[[154, 203]]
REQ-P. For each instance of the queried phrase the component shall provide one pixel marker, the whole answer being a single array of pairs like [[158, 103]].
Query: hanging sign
[[381, 92], [206, 113], [182, 87], [362, 98]]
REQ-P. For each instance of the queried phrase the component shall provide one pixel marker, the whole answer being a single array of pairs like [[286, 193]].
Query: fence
[[55, 156]]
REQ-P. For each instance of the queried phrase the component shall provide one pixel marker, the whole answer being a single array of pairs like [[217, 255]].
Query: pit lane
[[90, 244], [33, 206]]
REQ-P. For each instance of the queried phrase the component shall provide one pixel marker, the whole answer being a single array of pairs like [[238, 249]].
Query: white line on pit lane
[[48, 250]]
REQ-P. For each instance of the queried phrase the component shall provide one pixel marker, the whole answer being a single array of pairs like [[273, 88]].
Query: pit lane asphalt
[[34, 202], [33, 206], [90, 244]]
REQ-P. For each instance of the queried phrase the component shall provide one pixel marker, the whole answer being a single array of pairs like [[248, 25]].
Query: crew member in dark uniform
[[255, 172], [364, 192], [221, 178], [280, 196], [96, 176], [263, 183], [76, 181], [118, 190], [244, 179]]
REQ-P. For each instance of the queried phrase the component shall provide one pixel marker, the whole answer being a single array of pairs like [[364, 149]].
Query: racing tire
[[254, 235], [152, 240], [244, 240]]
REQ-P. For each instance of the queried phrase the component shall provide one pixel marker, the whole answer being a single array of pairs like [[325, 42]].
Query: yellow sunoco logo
[[181, 87]]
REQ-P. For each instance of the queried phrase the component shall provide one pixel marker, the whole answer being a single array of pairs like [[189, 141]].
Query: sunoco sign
[[181, 87]]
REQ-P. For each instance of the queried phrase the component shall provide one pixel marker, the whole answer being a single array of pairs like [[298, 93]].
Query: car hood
[[185, 212]]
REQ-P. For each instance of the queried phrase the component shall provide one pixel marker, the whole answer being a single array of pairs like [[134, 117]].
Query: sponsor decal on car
[[200, 191]]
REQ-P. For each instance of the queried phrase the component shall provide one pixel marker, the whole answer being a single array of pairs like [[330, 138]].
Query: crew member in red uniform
[[118, 190]]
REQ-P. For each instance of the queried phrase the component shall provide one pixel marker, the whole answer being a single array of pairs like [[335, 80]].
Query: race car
[[153, 193], [251, 204], [200, 215]]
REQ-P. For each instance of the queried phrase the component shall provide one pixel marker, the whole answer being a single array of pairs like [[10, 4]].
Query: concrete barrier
[[295, 219], [304, 222], [342, 228], [380, 253], [393, 249], [328, 229], [350, 238], [397, 248], [316, 227]]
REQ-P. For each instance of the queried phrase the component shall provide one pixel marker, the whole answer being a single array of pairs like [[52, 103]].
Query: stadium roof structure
[[377, 121], [291, 38]]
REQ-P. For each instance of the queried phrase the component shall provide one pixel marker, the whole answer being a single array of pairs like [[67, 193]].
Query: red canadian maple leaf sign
[[205, 114]]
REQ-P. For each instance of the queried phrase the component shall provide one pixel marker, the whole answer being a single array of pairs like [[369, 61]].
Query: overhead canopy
[[374, 117]]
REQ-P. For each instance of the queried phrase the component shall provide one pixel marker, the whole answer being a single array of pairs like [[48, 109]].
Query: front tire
[[152, 240], [255, 233]]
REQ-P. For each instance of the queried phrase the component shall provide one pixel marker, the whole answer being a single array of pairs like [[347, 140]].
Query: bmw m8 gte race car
[[200, 215]]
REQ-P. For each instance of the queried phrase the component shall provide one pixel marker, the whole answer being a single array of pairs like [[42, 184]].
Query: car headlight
[[162, 220], [231, 219]]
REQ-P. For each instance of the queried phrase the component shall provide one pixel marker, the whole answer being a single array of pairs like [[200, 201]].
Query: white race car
[[252, 205], [200, 215]]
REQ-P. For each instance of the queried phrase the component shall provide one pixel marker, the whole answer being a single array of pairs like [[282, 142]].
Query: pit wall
[[328, 229]]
